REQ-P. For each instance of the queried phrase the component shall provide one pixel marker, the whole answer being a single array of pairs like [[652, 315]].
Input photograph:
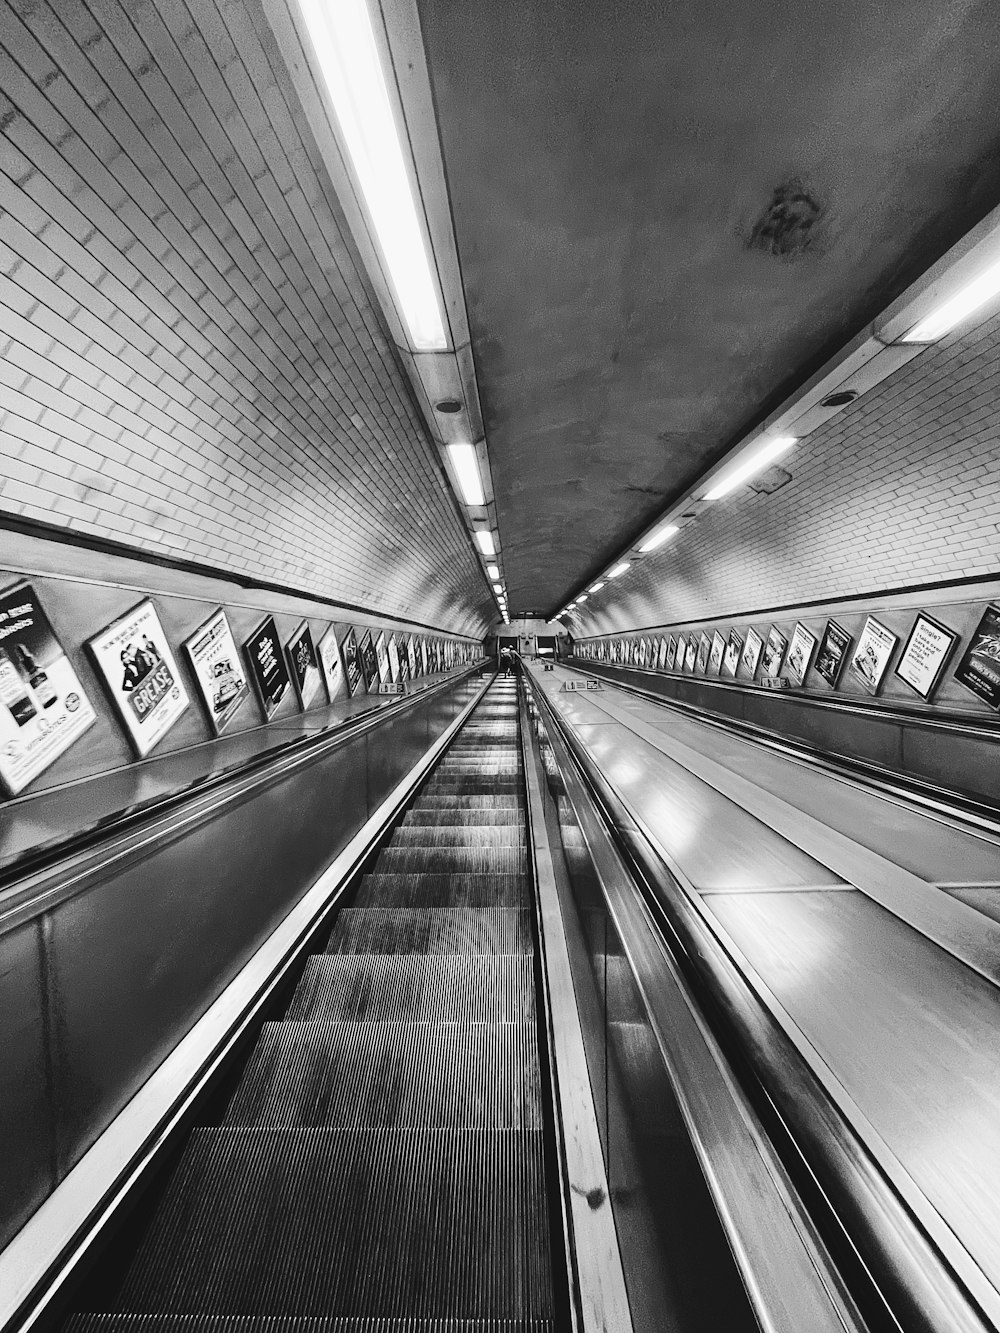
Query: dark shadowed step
[[458, 890], [430, 930]]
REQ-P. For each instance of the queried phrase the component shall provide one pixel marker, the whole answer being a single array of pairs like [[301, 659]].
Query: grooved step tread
[[459, 835], [392, 1075], [426, 1223], [431, 930], [128, 1322], [456, 890], [486, 817], [443, 988], [468, 801], [444, 860]]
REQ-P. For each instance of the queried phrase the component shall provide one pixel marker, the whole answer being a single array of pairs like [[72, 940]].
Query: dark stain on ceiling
[[669, 212]]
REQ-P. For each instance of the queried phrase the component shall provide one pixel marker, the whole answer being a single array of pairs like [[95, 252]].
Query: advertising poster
[[334, 675], [369, 662], [404, 657], [774, 652], [661, 655], [134, 659], [923, 660], [682, 644], [215, 662], [411, 655], [43, 708], [267, 666], [305, 665], [690, 653], [715, 657], [751, 653], [979, 669], [425, 656], [382, 657], [871, 657], [833, 650], [731, 660], [671, 654], [800, 654], [393, 651], [641, 653], [351, 660], [704, 648]]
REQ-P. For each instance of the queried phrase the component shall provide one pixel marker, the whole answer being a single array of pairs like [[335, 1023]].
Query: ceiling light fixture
[[466, 465], [581, 598], [619, 569], [493, 571], [498, 587], [658, 538], [754, 462], [964, 303], [344, 42], [597, 587], [486, 543]]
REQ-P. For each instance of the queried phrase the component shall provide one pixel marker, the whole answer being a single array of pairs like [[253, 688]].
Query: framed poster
[[641, 650], [671, 654], [43, 707], [393, 651], [411, 654], [304, 664], [682, 644], [403, 657], [369, 662], [704, 648], [800, 654], [334, 675], [267, 666], [351, 660], [751, 653], [979, 668], [715, 657], [731, 658], [134, 660], [833, 650], [871, 657], [425, 656], [217, 669], [774, 652], [690, 653], [925, 655], [382, 657]]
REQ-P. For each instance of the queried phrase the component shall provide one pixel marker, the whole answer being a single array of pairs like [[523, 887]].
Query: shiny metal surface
[[898, 1030]]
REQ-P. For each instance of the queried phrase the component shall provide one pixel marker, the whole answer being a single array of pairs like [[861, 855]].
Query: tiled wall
[[902, 488], [190, 359]]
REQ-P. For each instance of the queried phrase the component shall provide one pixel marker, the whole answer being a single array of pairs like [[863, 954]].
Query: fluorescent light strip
[[466, 465], [619, 569], [486, 543], [581, 598], [348, 58], [498, 588], [658, 538], [597, 587], [964, 303], [753, 463], [493, 571]]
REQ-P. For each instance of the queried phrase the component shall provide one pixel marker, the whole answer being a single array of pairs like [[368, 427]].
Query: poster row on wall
[[44, 708], [921, 664]]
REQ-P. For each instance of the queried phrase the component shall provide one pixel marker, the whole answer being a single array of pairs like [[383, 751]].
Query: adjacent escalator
[[384, 1159]]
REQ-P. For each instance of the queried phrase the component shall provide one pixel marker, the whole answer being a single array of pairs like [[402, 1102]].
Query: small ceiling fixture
[[839, 399], [448, 406], [619, 569]]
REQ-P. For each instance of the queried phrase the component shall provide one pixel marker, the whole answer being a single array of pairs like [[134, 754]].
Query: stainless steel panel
[[910, 1033], [27, 1147]]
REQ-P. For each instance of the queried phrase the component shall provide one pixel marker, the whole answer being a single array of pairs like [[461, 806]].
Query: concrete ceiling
[[669, 212]]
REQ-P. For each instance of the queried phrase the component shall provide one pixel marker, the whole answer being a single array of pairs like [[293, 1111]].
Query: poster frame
[[833, 627], [120, 698], [753, 648], [220, 723], [301, 630], [872, 628], [942, 661], [267, 708], [987, 692], [796, 677], [731, 657]]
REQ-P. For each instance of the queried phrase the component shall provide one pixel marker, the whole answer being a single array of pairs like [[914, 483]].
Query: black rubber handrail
[[919, 1285]]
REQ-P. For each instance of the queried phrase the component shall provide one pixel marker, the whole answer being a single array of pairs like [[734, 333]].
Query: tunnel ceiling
[[668, 214]]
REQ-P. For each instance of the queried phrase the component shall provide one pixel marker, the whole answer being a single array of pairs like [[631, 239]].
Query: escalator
[[384, 1161]]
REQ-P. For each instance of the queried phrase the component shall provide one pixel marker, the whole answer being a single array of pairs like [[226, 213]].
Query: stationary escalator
[[384, 1161]]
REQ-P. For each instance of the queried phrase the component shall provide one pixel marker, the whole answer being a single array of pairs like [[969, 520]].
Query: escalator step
[[392, 1076], [448, 860], [468, 801], [187, 1323], [458, 835], [474, 785], [462, 890], [425, 1223], [477, 818], [430, 930], [401, 988]]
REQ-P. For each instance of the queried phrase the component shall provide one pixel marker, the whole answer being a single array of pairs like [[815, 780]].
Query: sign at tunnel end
[[579, 686]]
